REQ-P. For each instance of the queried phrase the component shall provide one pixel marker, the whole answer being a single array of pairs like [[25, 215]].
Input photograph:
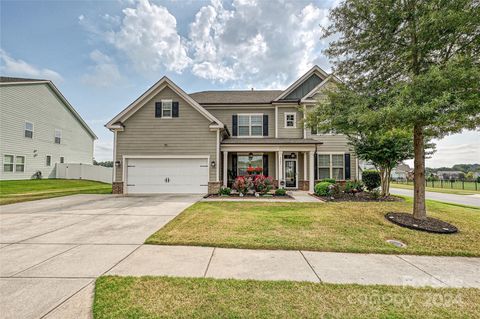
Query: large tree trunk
[[385, 181], [419, 211]]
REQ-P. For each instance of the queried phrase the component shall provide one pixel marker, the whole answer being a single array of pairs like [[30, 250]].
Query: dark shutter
[[265, 164], [347, 166], [234, 165], [158, 109], [234, 125], [314, 130], [174, 109], [265, 125], [315, 166]]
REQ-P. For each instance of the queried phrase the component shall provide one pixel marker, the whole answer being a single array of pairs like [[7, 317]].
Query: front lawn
[[339, 226], [164, 297], [27, 190]]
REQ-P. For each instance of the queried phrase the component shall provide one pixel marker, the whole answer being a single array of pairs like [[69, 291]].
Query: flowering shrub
[[242, 184], [322, 189], [263, 184], [353, 187]]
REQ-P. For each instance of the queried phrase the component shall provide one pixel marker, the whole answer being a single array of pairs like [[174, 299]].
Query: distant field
[[467, 188]]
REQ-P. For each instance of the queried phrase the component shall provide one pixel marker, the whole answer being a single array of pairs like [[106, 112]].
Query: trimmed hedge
[[323, 189], [371, 179]]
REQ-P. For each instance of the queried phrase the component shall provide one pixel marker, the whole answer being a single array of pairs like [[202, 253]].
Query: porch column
[[280, 167], [305, 170], [225, 168], [311, 177]]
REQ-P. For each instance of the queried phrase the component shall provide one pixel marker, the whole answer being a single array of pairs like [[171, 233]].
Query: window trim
[[24, 163], [13, 163], [294, 119], [46, 162], [25, 129], [55, 136], [163, 108], [249, 125], [331, 163]]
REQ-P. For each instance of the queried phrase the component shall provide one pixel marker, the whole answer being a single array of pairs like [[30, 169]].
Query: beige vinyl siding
[[38, 104], [284, 132], [144, 134], [225, 115]]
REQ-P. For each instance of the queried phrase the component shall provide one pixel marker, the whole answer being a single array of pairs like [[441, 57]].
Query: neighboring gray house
[[39, 128], [401, 172], [168, 141], [448, 175]]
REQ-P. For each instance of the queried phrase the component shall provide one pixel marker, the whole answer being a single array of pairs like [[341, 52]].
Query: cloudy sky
[[104, 54]]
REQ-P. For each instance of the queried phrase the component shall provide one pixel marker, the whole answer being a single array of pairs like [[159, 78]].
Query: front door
[[291, 173]]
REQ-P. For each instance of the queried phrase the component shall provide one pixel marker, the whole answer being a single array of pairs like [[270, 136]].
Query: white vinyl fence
[[84, 171]]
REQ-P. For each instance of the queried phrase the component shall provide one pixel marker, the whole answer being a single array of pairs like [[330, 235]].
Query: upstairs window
[[166, 108], [28, 129], [8, 163], [48, 160], [290, 120], [250, 125], [20, 164], [58, 136], [62, 159]]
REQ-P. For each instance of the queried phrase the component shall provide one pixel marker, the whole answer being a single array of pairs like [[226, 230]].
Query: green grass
[[27, 190], [469, 188], [164, 297], [357, 227]]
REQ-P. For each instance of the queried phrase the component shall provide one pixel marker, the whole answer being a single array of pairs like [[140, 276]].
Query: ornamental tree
[[415, 65]]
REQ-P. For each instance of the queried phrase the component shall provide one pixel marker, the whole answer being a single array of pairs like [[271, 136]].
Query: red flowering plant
[[263, 184], [242, 184], [258, 170], [250, 170]]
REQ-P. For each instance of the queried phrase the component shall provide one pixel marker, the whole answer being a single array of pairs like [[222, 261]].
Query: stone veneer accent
[[214, 187], [117, 187], [303, 185]]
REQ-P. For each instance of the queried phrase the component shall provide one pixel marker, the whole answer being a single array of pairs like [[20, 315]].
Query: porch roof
[[271, 141]]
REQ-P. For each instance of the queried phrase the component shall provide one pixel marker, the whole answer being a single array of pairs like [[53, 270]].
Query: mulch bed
[[249, 197], [359, 197], [431, 225]]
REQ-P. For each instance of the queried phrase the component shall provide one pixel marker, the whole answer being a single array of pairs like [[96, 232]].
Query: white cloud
[[20, 68], [264, 44], [267, 43], [148, 36], [104, 73]]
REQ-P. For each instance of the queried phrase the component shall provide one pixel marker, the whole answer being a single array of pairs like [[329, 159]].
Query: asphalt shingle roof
[[235, 97], [270, 141], [9, 79]]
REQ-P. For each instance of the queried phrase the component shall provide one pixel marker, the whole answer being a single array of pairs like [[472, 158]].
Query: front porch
[[290, 162]]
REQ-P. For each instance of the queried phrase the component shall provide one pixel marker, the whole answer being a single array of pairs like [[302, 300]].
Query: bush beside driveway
[[341, 227]]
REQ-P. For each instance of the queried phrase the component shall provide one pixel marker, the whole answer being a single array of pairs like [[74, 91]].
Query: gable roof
[[314, 70], [158, 87], [236, 97], [5, 80]]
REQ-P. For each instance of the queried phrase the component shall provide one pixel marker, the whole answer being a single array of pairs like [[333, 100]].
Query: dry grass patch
[[164, 297], [341, 227]]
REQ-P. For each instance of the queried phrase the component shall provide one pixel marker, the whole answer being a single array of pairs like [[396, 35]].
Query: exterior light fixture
[[293, 155], [250, 156], [213, 164], [117, 163]]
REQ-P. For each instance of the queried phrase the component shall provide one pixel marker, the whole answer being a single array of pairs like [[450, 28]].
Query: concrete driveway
[[52, 250]]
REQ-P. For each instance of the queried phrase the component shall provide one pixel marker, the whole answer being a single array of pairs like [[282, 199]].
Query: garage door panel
[[167, 175]]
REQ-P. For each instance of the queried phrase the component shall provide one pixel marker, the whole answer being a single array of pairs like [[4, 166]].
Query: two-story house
[[39, 128], [168, 141]]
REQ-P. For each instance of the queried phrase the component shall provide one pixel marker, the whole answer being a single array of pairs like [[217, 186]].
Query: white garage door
[[167, 175]]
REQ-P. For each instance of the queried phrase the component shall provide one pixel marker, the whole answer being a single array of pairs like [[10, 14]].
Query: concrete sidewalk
[[344, 268]]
